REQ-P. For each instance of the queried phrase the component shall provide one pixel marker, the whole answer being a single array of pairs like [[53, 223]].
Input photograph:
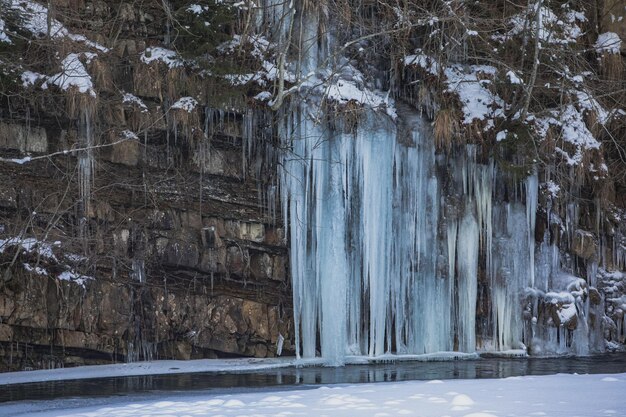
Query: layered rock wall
[[172, 253]]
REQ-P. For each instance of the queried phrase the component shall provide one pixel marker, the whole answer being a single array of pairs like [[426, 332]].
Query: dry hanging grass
[[102, 76], [77, 103], [446, 128], [612, 67]]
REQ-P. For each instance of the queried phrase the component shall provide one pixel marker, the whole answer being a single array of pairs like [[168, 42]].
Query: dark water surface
[[293, 377]]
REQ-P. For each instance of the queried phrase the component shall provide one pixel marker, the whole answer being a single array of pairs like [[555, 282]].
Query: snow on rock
[[566, 313], [187, 104], [343, 91], [44, 251], [3, 35], [586, 102], [73, 75], [572, 130], [131, 99], [423, 61], [549, 27], [160, 54], [513, 78], [347, 85], [559, 297], [35, 269], [608, 42], [471, 85], [30, 78], [34, 18], [91, 44], [129, 135], [259, 45], [74, 277], [29, 245], [552, 188], [501, 135], [263, 96], [197, 9]]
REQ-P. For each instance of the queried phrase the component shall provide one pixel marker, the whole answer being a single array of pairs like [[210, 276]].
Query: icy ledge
[[161, 367], [164, 367]]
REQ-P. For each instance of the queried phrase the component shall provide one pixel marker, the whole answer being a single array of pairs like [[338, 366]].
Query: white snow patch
[[164, 55], [263, 96], [73, 75], [239, 79], [547, 26], [424, 61], [552, 188], [29, 245], [3, 35], [197, 8], [608, 42], [470, 84], [131, 99], [35, 269], [30, 78], [573, 130], [34, 18], [513, 78], [74, 277], [19, 161], [187, 104], [129, 135], [343, 91], [259, 44], [566, 313], [91, 44]]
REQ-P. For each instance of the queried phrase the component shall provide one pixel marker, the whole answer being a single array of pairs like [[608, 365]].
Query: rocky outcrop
[[130, 228]]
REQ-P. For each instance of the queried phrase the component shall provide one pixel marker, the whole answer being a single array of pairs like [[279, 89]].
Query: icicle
[[532, 189], [467, 261]]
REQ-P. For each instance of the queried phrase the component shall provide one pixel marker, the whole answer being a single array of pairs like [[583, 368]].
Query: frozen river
[[252, 377]]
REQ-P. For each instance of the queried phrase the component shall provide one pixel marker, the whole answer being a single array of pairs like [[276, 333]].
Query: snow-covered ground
[[552, 396]]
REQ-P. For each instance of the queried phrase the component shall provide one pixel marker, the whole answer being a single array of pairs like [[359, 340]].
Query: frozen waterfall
[[389, 243], [398, 250]]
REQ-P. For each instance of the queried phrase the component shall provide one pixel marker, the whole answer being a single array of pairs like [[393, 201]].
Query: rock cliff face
[[131, 248]]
